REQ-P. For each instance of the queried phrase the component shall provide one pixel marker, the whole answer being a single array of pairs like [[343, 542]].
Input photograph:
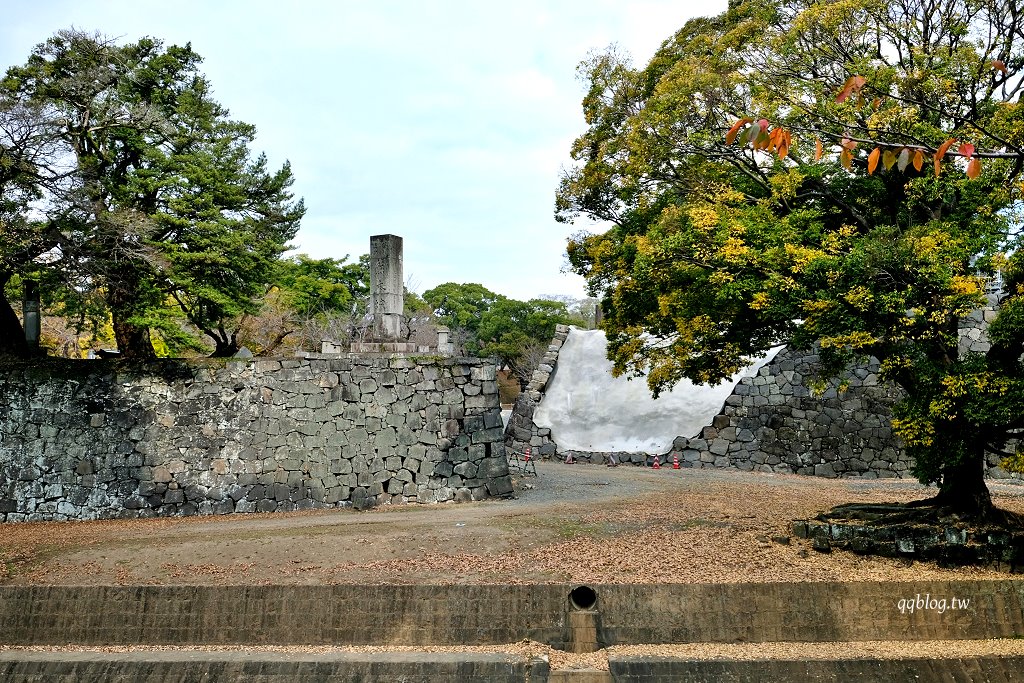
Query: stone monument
[[387, 288], [387, 298], [31, 317]]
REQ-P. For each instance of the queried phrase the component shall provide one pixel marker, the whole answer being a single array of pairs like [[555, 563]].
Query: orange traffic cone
[[675, 461], [657, 462]]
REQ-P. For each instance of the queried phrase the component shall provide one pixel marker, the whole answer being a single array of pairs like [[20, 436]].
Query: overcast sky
[[445, 122]]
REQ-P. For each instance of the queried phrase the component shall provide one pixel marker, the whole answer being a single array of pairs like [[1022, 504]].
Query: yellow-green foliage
[[720, 249]]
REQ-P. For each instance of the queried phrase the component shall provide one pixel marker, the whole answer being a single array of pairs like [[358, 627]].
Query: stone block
[[500, 486], [483, 373], [719, 447], [825, 470], [467, 470], [492, 467]]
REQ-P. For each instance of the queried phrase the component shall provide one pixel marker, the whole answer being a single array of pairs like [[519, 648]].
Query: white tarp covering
[[589, 410]]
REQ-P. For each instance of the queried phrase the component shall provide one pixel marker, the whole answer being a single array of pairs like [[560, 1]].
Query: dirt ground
[[572, 523]]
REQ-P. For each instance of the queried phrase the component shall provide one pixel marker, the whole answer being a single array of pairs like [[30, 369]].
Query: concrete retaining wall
[[179, 667], [283, 615], [424, 667], [489, 615], [668, 670], [97, 439]]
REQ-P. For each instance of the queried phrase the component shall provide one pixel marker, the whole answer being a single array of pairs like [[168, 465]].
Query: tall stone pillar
[[30, 315], [387, 287]]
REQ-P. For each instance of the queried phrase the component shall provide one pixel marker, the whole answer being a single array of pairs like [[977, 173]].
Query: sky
[[447, 122]]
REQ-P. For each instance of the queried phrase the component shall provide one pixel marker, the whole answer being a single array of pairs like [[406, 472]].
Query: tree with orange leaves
[[842, 175]]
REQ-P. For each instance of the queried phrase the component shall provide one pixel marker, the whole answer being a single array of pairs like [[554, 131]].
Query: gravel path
[[582, 523]]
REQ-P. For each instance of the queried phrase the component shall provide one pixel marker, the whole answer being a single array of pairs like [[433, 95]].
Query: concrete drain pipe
[[583, 620]]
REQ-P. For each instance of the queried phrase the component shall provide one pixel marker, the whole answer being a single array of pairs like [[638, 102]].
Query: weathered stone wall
[[773, 422], [97, 439], [521, 431]]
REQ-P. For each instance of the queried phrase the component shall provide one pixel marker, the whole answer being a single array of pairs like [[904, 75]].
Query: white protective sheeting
[[589, 410]]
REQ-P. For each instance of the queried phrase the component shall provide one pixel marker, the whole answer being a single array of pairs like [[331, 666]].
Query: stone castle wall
[[521, 432], [98, 439], [772, 422]]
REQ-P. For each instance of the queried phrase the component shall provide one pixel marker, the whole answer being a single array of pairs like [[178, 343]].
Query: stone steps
[[187, 666], [256, 666], [971, 669], [935, 630]]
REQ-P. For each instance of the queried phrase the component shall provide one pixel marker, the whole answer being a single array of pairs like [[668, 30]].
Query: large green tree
[[461, 306], [841, 174], [493, 325], [518, 332], [164, 200]]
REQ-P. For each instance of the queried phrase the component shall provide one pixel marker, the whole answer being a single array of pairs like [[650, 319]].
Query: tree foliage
[[811, 173], [147, 191], [461, 306], [493, 325]]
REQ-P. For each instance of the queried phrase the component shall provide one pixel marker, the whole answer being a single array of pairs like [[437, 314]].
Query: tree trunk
[[272, 346], [226, 347], [132, 340], [12, 335], [963, 487]]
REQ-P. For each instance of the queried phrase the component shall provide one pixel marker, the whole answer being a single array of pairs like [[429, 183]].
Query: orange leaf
[[967, 150], [999, 65], [763, 140], [731, 135], [853, 85], [918, 160], [873, 159], [876, 103], [817, 150], [974, 168], [941, 152], [783, 150], [943, 148]]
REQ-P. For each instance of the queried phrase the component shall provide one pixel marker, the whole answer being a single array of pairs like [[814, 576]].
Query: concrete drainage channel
[[567, 617]]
